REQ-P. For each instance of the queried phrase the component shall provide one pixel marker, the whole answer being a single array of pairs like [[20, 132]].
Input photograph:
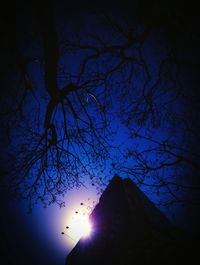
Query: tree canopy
[[97, 90]]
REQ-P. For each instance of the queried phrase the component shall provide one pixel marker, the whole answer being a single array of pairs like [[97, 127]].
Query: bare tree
[[77, 76], [59, 133]]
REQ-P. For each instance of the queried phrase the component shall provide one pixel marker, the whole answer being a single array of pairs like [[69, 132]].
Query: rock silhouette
[[128, 229]]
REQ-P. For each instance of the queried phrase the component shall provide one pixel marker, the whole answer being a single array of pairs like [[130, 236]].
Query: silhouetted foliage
[[70, 76]]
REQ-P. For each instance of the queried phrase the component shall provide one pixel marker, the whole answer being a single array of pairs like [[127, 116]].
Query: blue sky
[[39, 234]]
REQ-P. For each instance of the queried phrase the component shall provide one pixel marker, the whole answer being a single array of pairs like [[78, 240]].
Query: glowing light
[[79, 226]]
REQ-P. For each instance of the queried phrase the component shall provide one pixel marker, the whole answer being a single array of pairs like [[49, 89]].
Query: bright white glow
[[79, 226]]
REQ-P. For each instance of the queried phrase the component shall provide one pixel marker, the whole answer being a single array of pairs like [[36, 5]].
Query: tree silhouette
[[69, 78]]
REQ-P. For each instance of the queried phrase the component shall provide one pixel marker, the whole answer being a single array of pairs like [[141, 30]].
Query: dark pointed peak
[[126, 219], [112, 190], [123, 193], [116, 178], [119, 182], [116, 181]]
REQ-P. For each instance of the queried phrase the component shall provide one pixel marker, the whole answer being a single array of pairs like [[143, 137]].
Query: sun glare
[[79, 226]]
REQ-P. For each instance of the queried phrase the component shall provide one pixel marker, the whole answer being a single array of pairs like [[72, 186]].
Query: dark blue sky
[[160, 135]]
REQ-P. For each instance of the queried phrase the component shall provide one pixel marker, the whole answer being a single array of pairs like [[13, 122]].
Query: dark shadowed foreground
[[129, 229]]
